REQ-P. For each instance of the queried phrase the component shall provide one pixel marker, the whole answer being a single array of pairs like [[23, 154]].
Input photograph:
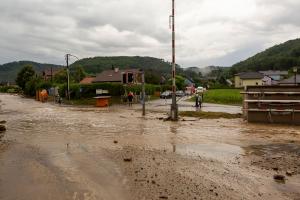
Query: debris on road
[[127, 159], [279, 178], [2, 128]]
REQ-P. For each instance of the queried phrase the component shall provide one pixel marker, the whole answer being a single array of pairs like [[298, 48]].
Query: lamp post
[[67, 56], [295, 70], [174, 106]]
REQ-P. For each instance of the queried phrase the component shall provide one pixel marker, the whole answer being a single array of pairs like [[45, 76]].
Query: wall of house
[[237, 82], [251, 82]]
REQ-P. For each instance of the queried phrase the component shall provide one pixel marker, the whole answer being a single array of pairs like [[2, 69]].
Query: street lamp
[[174, 106], [295, 70], [67, 56]]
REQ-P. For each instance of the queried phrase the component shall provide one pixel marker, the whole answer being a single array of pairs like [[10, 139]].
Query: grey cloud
[[44, 31]]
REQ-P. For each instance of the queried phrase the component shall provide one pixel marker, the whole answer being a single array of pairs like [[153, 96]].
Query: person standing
[[200, 100], [197, 101], [130, 98]]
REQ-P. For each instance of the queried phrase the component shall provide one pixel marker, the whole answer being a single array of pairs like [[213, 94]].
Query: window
[[130, 78]]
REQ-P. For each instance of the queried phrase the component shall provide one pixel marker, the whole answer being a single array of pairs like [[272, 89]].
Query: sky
[[208, 32]]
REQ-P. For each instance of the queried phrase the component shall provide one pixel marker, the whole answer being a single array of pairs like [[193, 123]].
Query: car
[[180, 93], [166, 94], [199, 89]]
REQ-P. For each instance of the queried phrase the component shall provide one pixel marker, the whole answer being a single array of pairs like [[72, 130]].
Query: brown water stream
[[63, 152]]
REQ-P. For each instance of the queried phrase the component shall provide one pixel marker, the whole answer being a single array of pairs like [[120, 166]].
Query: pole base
[[174, 112]]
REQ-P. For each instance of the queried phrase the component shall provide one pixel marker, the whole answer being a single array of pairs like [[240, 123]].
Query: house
[[248, 79], [125, 76], [87, 80], [275, 74], [291, 81], [48, 74]]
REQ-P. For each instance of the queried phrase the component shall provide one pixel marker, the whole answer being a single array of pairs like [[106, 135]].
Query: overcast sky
[[209, 32]]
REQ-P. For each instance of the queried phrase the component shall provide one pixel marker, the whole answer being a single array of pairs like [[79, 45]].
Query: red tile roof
[[87, 80]]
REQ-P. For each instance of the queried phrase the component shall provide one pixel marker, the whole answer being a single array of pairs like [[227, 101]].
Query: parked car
[[180, 93], [200, 89], [166, 94]]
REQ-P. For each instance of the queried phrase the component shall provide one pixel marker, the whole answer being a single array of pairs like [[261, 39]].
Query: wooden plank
[[271, 101], [288, 93], [102, 97], [270, 110]]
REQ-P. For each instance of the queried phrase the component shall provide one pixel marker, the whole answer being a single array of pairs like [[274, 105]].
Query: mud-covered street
[[64, 152]]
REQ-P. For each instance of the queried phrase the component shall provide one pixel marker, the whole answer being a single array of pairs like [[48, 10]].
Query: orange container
[[102, 101]]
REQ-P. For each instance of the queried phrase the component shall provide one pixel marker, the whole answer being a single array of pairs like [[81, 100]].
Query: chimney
[[116, 70]]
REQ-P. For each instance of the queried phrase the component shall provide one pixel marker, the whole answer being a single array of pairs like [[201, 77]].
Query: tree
[[179, 81], [31, 86], [78, 74], [60, 77], [25, 75]]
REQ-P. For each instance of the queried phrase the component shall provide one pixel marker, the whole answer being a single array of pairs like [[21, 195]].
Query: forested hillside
[[9, 71], [280, 57], [98, 64]]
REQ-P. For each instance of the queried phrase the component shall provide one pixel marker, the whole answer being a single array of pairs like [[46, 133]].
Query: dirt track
[[54, 152]]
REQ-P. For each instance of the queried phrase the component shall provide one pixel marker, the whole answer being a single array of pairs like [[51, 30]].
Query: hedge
[[10, 89], [115, 89]]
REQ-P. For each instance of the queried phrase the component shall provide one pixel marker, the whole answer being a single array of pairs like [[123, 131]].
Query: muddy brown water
[[64, 152]]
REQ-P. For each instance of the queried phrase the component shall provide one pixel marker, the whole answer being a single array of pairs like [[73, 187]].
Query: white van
[[200, 89]]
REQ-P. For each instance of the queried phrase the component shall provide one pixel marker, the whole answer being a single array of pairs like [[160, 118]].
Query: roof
[[291, 80], [250, 75], [274, 73], [113, 75], [87, 80]]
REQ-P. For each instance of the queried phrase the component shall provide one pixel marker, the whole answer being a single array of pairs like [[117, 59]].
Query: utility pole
[[143, 92], [295, 70], [174, 106], [68, 74]]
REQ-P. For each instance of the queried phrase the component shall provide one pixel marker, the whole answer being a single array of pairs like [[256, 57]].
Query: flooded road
[[61, 152], [185, 105]]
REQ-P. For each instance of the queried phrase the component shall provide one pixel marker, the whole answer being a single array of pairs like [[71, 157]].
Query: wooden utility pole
[[68, 74], [174, 106], [143, 92]]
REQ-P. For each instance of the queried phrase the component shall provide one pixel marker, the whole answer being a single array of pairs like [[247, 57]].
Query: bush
[[10, 89], [89, 90], [115, 89]]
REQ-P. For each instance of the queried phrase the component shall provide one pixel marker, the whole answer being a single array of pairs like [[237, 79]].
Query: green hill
[[98, 64], [154, 67], [280, 57], [9, 71]]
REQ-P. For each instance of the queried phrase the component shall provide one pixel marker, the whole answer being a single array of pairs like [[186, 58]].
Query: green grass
[[223, 96], [209, 115]]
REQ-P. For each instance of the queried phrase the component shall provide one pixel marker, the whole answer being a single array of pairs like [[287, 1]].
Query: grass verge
[[223, 96], [209, 115]]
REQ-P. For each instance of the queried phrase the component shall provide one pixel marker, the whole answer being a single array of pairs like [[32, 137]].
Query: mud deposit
[[57, 152]]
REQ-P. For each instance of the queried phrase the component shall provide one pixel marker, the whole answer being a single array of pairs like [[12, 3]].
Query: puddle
[[213, 151]]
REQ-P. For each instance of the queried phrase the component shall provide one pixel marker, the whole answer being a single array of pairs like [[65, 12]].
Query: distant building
[[125, 76], [48, 74], [269, 81], [275, 75], [87, 80], [248, 79], [291, 80]]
